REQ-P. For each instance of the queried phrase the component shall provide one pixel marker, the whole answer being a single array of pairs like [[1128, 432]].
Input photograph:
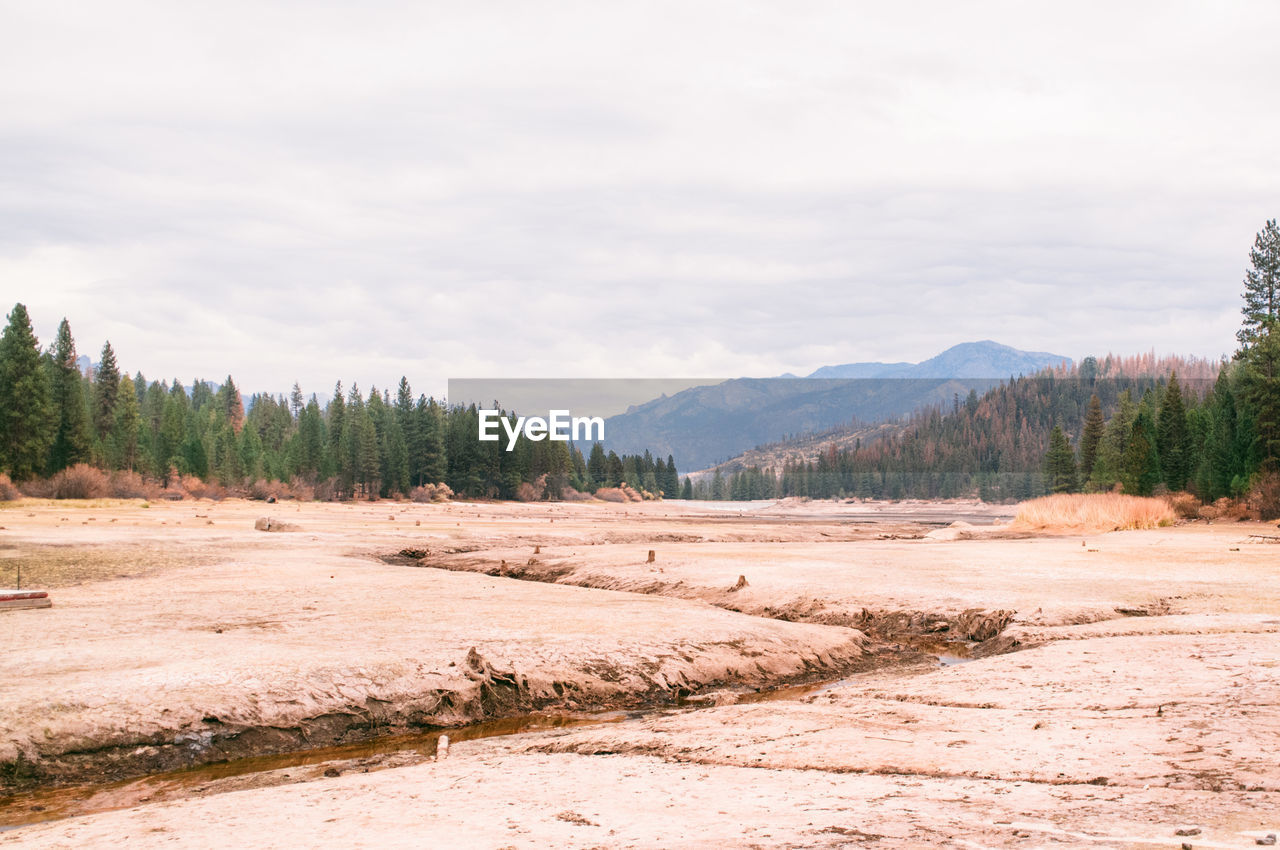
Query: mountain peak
[[982, 359]]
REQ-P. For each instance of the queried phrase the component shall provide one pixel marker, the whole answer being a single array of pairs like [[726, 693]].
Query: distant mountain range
[[705, 425], [984, 359]]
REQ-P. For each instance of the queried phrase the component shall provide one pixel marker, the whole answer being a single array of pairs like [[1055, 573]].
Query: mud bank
[[269, 647]]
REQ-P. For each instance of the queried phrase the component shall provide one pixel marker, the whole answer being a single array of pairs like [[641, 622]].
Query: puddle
[[33, 807]]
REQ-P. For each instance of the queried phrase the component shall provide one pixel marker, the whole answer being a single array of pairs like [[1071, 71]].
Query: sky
[[308, 191]]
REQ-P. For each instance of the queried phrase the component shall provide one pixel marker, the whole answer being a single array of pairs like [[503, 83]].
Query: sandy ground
[[1140, 698]]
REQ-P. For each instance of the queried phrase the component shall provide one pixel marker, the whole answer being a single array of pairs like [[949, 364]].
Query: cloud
[[296, 191]]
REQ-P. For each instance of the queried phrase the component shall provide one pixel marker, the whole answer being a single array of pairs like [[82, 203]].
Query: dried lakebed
[[1105, 728]]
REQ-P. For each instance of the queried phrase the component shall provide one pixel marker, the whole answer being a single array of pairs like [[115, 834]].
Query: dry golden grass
[[51, 565], [1094, 512]]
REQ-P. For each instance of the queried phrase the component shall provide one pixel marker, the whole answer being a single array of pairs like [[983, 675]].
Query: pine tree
[[1261, 285], [1091, 436], [433, 460], [597, 467], [1260, 386], [1060, 463], [125, 433], [1171, 436], [231, 405], [27, 426], [66, 385], [106, 389], [1141, 467], [686, 492]]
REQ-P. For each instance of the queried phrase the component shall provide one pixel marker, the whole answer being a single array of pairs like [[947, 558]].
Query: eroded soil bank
[[285, 641], [1141, 701]]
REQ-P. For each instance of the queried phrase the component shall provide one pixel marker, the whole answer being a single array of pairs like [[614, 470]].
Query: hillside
[[995, 444], [708, 425]]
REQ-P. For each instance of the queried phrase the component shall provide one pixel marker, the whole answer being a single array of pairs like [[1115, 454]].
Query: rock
[[332, 772], [742, 582], [266, 523], [1192, 831], [653, 556], [1269, 841]]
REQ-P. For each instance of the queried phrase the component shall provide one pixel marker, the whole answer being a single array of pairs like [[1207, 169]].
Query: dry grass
[[1185, 505], [1094, 512], [52, 565]]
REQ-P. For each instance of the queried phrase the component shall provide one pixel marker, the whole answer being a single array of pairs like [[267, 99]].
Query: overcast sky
[[310, 190]]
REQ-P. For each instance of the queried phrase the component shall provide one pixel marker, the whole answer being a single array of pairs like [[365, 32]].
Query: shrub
[[81, 481], [8, 492], [1225, 510], [326, 490], [38, 488], [1264, 495], [302, 491], [618, 494], [431, 493], [262, 490], [1094, 512], [130, 485], [1185, 505], [532, 491]]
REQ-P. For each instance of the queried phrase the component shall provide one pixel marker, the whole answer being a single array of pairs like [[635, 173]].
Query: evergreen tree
[[1060, 463], [686, 492], [1108, 468], [1260, 385], [106, 388], [71, 440], [336, 424], [614, 471], [1261, 285], [126, 431], [1091, 436], [173, 434], [597, 467], [719, 492], [1141, 469], [1171, 436], [26, 419], [230, 405], [433, 460], [672, 485], [296, 401]]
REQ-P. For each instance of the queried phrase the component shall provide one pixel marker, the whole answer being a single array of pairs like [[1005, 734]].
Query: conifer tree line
[[356, 445], [1137, 424]]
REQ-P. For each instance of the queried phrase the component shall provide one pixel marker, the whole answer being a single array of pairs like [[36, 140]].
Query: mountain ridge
[[982, 359]]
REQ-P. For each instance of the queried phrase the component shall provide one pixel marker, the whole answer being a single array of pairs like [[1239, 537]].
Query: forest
[[54, 418], [1138, 424]]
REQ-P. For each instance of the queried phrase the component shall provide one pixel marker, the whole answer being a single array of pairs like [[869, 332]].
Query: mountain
[[985, 359], [705, 425]]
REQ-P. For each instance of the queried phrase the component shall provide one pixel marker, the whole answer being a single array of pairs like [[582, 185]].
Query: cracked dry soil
[[1116, 692]]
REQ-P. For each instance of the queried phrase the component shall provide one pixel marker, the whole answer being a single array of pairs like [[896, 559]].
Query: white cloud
[[311, 191]]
